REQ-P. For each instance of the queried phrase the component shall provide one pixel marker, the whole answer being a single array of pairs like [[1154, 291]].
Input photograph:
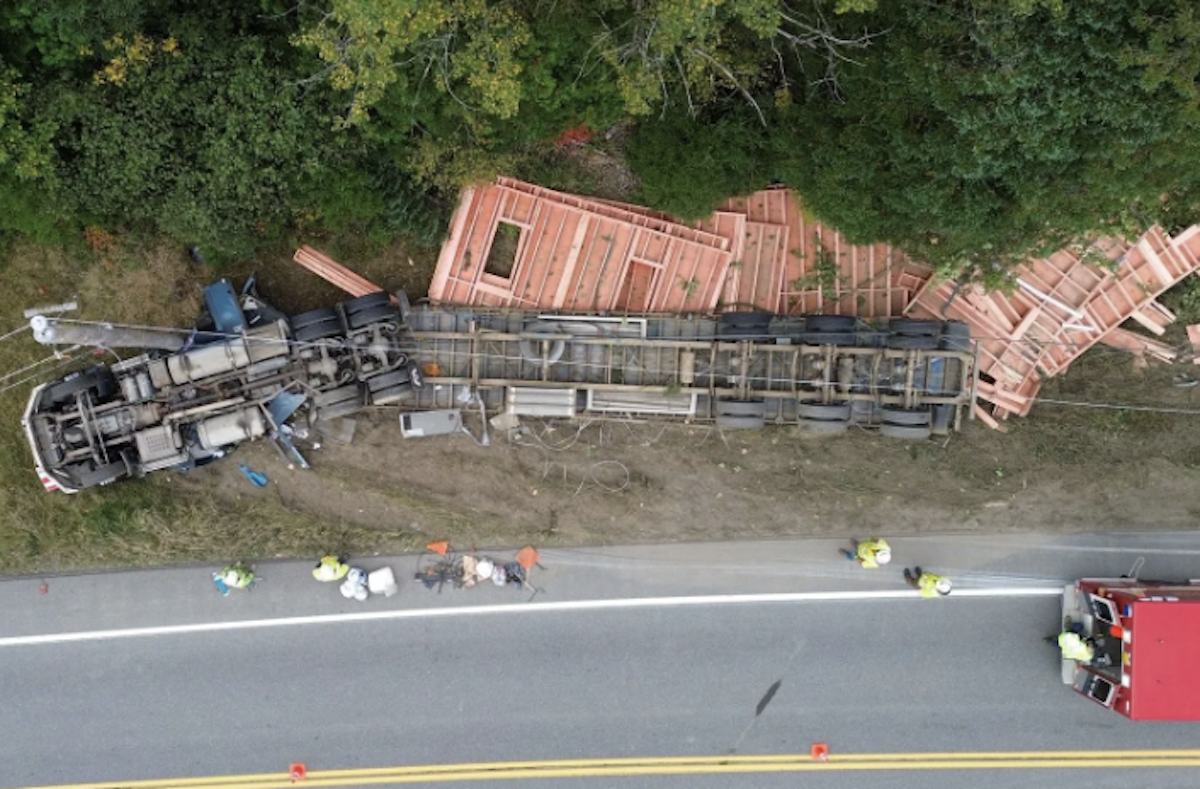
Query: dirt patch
[[616, 482], [400, 265]]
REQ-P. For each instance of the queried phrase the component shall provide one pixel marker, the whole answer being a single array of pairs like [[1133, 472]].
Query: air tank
[[221, 431]]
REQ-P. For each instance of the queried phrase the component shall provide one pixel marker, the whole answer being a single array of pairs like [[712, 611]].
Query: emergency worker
[[330, 568], [870, 554], [1075, 647], [237, 576], [928, 584]]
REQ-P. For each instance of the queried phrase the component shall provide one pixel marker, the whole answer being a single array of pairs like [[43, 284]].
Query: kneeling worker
[[928, 584], [870, 554], [330, 568]]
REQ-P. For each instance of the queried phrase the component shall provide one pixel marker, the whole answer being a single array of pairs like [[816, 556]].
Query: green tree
[[695, 51], [687, 166], [467, 48], [197, 136], [972, 136]]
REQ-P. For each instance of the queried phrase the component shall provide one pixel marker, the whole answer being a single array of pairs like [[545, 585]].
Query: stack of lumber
[[335, 273]]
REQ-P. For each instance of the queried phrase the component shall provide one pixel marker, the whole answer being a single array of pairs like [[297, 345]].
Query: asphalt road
[[868, 677]]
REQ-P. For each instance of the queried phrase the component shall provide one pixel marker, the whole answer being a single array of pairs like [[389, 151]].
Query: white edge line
[[475, 610]]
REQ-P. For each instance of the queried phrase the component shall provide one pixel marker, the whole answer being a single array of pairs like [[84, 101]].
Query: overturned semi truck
[[194, 395], [245, 369]]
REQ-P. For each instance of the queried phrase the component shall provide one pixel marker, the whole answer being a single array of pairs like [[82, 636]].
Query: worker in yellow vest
[[928, 584], [330, 568], [1075, 647], [870, 554]]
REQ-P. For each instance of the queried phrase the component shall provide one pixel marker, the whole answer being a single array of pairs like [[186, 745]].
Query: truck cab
[[1147, 646]]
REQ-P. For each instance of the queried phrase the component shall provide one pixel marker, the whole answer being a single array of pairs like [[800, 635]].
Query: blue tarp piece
[[284, 405]]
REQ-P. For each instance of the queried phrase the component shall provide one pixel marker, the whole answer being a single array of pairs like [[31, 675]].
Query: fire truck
[[1147, 646]]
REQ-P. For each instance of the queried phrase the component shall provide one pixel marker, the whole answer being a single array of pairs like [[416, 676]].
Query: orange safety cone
[[820, 752], [299, 771]]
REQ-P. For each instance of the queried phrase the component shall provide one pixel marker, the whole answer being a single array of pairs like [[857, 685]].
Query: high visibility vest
[[927, 583], [330, 569], [241, 576], [1075, 648], [867, 550]]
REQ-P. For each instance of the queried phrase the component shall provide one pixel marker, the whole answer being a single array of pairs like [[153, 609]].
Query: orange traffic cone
[[299, 771], [820, 752]]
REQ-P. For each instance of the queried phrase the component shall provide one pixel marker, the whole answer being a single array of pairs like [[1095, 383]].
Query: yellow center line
[[676, 765]]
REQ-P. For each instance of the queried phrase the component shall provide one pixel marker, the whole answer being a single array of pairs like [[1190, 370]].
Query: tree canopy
[[968, 133]]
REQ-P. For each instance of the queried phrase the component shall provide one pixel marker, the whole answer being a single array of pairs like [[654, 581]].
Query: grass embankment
[[150, 521]]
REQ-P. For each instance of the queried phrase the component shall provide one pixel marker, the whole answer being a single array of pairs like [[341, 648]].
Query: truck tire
[[741, 408], [323, 330], [393, 395], [825, 412], [827, 427], [335, 396], [740, 422], [338, 410], [905, 416], [313, 316], [830, 323], [366, 302], [906, 432], [829, 338], [745, 324], [956, 336], [378, 314], [955, 329], [387, 380], [912, 342], [914, 328]]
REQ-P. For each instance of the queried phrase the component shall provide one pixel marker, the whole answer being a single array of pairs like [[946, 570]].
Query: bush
[[687, 166]]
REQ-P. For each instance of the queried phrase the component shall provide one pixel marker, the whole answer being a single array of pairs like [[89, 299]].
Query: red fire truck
[[1147, 646]]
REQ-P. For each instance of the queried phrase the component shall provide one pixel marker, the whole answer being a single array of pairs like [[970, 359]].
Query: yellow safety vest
[[867, 550], [330, 569], [927, 583], [1075, 648]]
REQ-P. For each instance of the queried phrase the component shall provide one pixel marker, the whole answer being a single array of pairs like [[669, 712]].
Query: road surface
[[448, 679]]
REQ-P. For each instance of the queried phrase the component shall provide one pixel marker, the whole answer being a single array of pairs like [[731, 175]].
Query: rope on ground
[[591, 476], [560, 446]]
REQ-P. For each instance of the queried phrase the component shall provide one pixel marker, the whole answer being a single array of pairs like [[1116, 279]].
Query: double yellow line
[[676, 765]]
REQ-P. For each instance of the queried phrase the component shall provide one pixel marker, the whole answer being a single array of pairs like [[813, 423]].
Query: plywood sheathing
[[1061, 306], [580, 255]]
